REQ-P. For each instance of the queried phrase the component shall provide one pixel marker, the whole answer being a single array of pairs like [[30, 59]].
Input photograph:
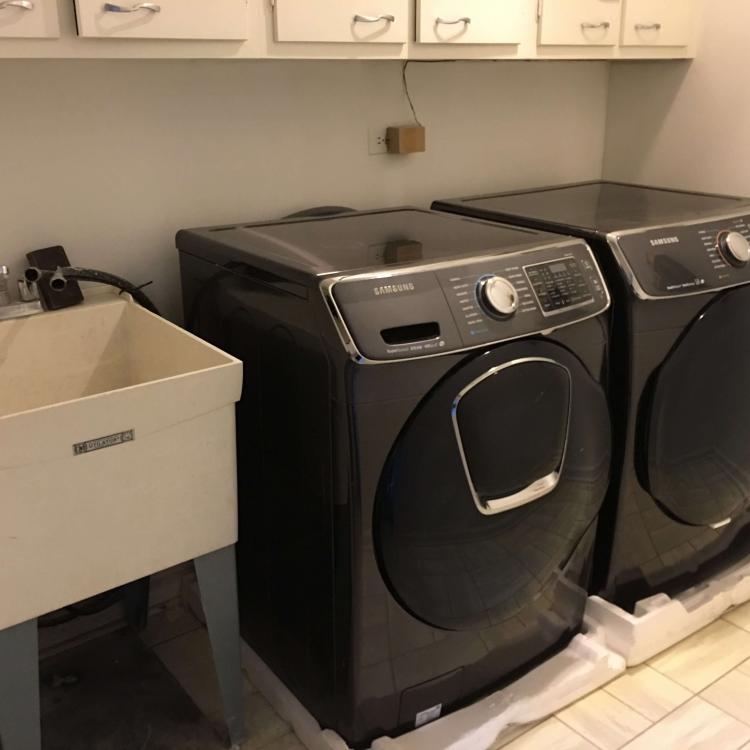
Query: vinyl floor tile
[[287, 742], [731, 694], [696, 725], [551, 733], [739, 616], [604, 721], [649, 692], [190, 660], [705, 656]]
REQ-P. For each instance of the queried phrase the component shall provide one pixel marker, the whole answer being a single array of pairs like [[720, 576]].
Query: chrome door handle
[[602, 25], [538, 488], [112, 8], [648, 27], [23, 4], [534, 491], [466, 20], [374, 19]]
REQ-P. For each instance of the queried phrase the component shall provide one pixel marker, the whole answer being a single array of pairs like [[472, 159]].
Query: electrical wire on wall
[[408, 93], [405, 81]]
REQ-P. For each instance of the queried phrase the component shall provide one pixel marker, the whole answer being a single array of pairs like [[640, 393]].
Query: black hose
[[321, 212], [87, 607], [102, 277]]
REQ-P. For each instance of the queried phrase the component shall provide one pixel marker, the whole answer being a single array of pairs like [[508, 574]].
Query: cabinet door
[[469, 21], [371, 21], [580, 22], [658, 23], [163, 19], [28, 19]]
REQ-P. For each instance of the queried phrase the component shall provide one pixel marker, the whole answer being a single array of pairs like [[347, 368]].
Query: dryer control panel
[[459, 305], [688, 258]]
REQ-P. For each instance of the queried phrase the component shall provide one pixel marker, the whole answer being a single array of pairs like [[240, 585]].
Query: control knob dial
[[734, 247], [497, 296]]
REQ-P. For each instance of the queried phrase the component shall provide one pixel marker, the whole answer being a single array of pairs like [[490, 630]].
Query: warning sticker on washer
[[428, 715]]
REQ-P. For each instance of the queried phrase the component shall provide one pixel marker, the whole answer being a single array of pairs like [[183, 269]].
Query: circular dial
[[734, 247], [497, 296]]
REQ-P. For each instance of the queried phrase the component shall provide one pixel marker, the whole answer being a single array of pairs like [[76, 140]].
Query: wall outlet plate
[[377, 141]]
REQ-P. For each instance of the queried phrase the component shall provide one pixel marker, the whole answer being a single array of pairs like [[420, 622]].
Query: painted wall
[[686, 125], [110, 158]]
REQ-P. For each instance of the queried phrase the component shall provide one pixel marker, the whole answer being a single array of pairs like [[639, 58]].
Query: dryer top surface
[[359, 241], [604, 207]]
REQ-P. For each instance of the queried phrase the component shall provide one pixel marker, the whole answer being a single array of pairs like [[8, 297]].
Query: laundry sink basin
[[117, 452]]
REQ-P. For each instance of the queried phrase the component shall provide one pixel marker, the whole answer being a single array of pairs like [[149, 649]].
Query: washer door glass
[[491, 485], [696, 424]]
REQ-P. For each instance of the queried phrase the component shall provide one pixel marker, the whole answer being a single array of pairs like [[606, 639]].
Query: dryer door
[[491, 485], [695, 427]]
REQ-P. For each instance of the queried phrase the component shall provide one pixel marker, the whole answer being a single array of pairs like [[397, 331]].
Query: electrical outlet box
[[377, 141], [407, 139]]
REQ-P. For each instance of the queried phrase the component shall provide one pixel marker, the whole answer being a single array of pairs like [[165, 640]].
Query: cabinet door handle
[[466, 20], [112, 8], [23, 4], [602, 25], [374, 19], [648, 27]]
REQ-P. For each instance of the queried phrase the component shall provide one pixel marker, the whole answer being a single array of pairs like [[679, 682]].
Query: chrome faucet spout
[[4, 293], [29, 303]]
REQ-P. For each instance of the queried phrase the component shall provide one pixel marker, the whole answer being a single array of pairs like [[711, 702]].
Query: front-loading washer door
[[490, 486], [695, 420]]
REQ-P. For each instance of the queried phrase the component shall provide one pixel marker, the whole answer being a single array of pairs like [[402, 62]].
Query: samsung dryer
[[424, 447], [677, 265]]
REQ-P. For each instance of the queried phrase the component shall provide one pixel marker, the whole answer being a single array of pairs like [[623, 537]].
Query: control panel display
[[559, 285]]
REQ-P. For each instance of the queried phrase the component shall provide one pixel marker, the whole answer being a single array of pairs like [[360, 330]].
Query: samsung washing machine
[[677, 265], [424, 447]]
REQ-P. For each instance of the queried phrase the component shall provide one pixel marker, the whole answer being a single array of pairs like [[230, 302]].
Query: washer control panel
[[559, 285], [458, 305], [689, 258]]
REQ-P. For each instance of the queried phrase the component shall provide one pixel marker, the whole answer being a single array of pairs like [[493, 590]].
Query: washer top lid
[[368, 240], [596, 208]]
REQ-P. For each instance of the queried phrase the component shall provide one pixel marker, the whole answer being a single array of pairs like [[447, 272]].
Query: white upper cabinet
[[163, 19], [658, 23], [28, 19], [580, 22], [470, 21], [363, 21]]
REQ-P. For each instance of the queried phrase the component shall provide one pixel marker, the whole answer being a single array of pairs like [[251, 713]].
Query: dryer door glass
[[491, 488], [696, 424]]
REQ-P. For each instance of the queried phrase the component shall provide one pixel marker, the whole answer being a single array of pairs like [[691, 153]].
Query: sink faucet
[[28, 303]]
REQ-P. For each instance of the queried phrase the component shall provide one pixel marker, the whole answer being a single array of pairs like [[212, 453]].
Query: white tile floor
[[695, 696]]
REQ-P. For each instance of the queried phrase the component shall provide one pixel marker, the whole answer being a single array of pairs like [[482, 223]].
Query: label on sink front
[[118, 438]]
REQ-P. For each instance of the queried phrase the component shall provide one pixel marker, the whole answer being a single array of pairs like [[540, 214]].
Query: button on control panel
[[559, 285]]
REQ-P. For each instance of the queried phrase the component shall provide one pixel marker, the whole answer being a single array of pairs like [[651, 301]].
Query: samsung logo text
[[407, 286]]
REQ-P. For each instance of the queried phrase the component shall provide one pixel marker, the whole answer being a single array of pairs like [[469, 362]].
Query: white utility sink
[[117, 452]]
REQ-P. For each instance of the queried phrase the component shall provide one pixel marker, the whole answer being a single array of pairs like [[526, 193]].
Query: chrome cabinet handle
[[648, 27], [23, 4], [602, 25], [374, 19], [466, 20], [112, 8]]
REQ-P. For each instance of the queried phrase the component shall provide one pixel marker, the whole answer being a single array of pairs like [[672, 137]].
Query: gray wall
[[686, 125]]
